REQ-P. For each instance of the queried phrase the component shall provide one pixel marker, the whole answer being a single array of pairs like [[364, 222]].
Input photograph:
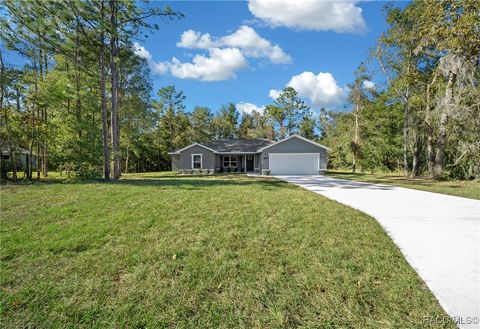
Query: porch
[[237, 163]]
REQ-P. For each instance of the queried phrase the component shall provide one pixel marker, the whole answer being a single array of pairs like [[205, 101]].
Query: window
[[230, 161], [196, 161]]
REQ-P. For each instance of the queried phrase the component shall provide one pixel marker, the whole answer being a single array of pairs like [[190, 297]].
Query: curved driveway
[[438, 234]]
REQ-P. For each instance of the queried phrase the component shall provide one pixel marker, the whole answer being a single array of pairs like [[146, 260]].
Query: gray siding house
[[294, 155], [20, 155]]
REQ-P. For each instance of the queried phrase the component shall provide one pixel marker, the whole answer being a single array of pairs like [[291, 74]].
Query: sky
[[245, 52]]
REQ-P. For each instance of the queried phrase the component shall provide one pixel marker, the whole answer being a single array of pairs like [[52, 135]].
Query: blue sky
[[311, 50], [256, 47]]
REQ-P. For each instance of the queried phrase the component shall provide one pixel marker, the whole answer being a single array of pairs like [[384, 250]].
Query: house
[[21, 157], [294, 155]]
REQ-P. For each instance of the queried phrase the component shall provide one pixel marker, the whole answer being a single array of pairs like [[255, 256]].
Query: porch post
[[244, 163]]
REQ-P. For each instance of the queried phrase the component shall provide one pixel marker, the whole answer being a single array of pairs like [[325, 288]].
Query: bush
[[86, 171]]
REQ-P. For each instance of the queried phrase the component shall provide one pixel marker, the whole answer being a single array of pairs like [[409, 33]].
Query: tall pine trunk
[[30, 162], [442, 132], [114, 82], [103, 100], [428, 122], [416, 155], [35, 116], [13, 162], [355, 141], [44, 118], [126, 160], [38, 162], [406, 116]]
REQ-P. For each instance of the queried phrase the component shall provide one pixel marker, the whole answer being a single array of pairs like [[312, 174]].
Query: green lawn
[[466, 189], [162, 251]]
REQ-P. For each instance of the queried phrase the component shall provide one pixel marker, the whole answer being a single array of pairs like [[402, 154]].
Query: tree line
[[76, 109], [426, 121], [69, 98]]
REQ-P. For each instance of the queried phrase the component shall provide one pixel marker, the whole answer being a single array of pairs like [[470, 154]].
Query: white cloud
[[315, 15], [221, 64], [159, 68], [253, 45], [195, 40], [245, 38], [320, 89], [368, 84], [226, 55], [140, 51], [249, 108], [274, 93]]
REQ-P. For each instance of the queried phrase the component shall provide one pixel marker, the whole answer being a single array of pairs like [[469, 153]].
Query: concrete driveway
[[438, 234]]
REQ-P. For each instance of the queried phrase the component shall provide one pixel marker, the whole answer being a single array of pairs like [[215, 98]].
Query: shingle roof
[[243, 145], [240, 145]]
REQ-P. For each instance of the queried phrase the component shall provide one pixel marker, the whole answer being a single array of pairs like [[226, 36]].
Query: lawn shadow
[[199, 182], [186, 182], [348, 173]]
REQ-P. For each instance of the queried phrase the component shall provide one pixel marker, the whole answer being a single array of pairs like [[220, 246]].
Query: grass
[[162, 251], [466, 189]]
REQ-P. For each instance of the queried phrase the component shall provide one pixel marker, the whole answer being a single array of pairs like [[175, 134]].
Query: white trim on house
[[201, 161], [192, 145], [297, 136], [237, 153]]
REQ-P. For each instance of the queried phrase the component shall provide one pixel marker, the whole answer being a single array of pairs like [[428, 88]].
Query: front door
[[249, 162]]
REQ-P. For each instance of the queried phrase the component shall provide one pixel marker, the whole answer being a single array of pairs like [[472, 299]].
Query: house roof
[[231, 145], [17, 149], [238, 145], [191, 145], [242, 145], [295, 136]]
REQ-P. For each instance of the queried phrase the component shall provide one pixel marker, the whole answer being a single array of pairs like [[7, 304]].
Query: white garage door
[[293, 163]]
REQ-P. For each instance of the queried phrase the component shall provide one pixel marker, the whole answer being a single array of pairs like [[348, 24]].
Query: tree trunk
[[428, 122], [45, 163], [406, 111], [40, 159], [430, 155], [126, 161], [13, 163], [442, 133], [282, 129], [103, 101], [30, 162], [45, 148], [114, 83], [35, 131], [38, 162], [416, 155], [355, 141]]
